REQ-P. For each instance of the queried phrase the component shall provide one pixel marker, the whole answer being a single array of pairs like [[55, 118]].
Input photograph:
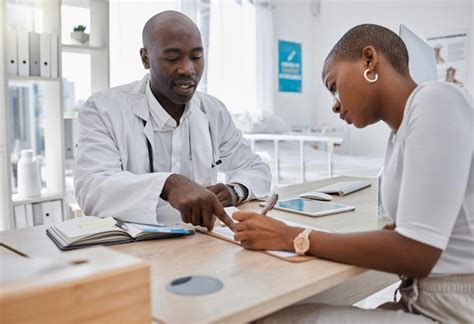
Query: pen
[[213, 165], [121, 225], [270, 204]]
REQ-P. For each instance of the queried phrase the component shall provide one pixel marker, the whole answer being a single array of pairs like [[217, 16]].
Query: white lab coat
[[112, 163]]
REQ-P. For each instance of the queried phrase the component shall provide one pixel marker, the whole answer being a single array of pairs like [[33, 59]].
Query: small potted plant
[[79, 35]]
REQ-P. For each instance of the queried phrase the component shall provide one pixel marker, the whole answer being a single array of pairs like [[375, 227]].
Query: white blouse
[[428, 180]]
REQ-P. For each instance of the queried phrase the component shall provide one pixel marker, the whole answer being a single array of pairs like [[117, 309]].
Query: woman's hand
[[258, 232]]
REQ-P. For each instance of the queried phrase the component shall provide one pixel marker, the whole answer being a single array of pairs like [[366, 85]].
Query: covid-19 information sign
[[289, 66]]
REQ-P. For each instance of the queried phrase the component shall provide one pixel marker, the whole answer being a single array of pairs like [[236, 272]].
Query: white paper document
[[227, 233]]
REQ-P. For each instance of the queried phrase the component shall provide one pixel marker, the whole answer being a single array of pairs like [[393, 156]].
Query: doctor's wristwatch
[[240, 192], [301, 242]]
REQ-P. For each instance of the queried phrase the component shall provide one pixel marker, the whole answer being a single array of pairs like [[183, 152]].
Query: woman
[[428, 187]]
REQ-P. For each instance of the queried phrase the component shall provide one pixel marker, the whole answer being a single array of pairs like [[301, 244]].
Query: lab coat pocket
[[213, 175], [202, 166]]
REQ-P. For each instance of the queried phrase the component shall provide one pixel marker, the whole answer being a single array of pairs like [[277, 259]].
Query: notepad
[[92, 230], [224, 233]]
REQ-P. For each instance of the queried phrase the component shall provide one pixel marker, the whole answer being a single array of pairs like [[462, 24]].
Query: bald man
[[149, 151]]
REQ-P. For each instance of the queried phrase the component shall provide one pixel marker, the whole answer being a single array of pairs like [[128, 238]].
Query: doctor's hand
[[258, 232], [390, 227], [225, 194], [196, 204]]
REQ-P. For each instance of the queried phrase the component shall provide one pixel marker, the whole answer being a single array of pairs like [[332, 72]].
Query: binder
[[29, 215], [54, 56], [23, 53], [45, 55], [47, 212], [20, 216], [34, 47], [57, 208], [37, 214], [12, 52]]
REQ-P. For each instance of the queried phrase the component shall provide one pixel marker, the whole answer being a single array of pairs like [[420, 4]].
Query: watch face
[[301, 245], [238, 191]]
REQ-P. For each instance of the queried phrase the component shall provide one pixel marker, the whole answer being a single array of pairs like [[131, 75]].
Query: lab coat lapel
[[142, 110], [201, 145]]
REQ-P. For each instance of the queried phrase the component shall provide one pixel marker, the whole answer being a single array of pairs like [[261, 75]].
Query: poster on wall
[[451, 52], [289, 66]]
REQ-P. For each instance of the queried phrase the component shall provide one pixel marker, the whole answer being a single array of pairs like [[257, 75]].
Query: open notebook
[[224, 233], [91, 230]]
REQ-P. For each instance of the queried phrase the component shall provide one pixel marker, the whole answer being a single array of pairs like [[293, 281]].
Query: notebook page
[[225, 233], [77, 228]]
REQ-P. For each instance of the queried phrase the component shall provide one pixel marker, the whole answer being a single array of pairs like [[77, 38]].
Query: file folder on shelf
[[47, 213], [29, 215], [54, 56], [45, 55], [34, 46], [12, 52], [23, 53], [37, 214], [20, 216]]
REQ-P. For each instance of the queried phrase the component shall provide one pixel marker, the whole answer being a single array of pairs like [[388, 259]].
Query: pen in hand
[[271, 202]]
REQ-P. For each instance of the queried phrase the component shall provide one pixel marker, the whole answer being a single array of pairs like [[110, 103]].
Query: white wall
[[293, 20], [127, 19], [422, 17]]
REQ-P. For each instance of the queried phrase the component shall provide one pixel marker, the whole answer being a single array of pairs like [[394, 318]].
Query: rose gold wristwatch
[[301, 242]]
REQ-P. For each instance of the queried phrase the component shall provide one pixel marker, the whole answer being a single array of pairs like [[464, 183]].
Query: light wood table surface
[[255, 284]]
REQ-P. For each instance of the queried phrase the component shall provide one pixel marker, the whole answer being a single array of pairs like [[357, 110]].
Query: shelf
[[77, 3], [81, 48], [31, 78], [44, 197]]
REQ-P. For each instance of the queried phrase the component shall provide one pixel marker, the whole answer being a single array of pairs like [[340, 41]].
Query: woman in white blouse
[[428, 188]]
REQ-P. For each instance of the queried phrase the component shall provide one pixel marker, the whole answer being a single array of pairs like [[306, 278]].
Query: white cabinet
[[33, 107]]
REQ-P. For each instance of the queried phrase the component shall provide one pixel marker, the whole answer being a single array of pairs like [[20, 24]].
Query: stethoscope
[[150, 152]]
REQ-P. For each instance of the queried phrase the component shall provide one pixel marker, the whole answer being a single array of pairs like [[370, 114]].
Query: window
[[229, 33]]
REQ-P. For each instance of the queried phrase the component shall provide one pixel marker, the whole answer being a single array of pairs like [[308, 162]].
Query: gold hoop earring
[[370, 80]]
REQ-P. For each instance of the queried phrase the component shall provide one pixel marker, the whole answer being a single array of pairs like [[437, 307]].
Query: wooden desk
[[255, 284], [97, 285]]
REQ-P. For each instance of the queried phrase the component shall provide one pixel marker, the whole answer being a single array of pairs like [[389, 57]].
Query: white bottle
[[29, 184], [381, 214]]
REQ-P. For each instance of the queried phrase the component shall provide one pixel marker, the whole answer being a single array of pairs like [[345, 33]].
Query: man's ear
[[144, 57], [370, 57]]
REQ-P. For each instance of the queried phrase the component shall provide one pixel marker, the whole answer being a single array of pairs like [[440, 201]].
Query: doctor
[[157, 141]]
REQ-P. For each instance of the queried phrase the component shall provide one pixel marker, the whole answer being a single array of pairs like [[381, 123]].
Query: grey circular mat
[[194, 285]]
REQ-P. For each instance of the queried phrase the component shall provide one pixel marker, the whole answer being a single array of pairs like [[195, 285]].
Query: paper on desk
[[229, 211], [225, 232]]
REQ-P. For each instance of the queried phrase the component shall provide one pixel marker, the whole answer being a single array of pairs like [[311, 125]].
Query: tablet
[[311, 208]]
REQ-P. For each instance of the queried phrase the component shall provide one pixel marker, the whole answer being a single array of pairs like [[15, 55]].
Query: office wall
[[127, 19], [423, 17], [319, 30], [294, 21]]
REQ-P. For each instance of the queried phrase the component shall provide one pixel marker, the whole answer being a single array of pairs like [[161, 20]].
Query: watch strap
[[239, 192], [306, 233]]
